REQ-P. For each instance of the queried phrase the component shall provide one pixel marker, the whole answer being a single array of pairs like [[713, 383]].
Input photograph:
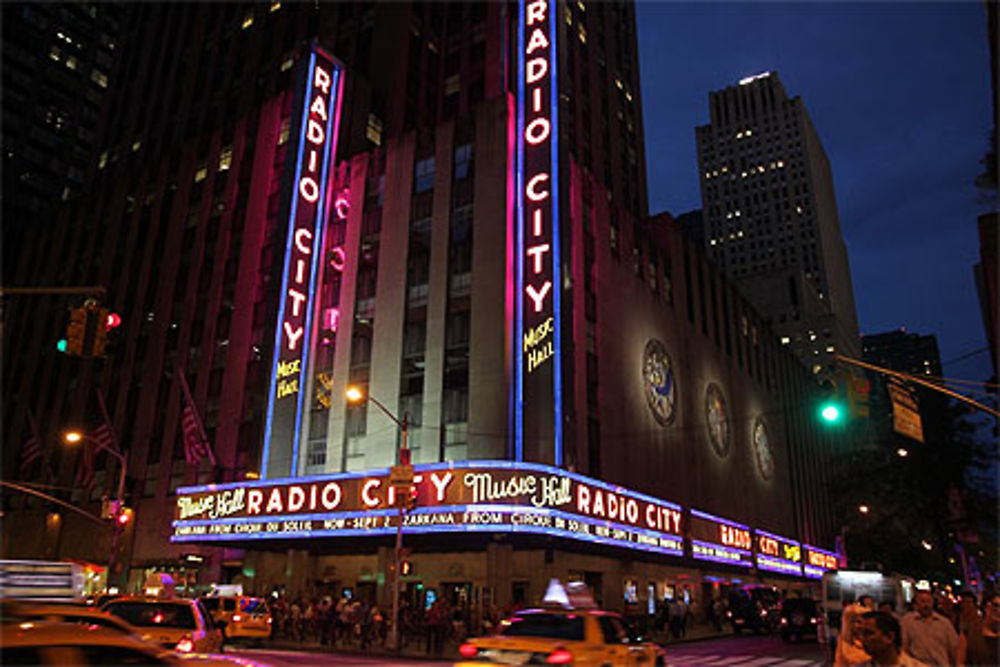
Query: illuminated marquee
[[473, 496], [777, 554], [720, 540], [817, 561], [537, 343], [317, 138]]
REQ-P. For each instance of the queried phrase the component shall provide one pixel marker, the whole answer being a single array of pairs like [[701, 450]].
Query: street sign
[[905, 410], [401, 475]]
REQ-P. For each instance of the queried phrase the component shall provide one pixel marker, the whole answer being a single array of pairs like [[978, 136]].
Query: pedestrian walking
[[978, 641], [850, 649], [927, 635], [880, 636]]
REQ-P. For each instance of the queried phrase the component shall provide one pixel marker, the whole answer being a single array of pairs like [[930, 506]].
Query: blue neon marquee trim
[[284, 279], [433, 467], [435, 528], [777, 537], [712, 517], [556, 254]]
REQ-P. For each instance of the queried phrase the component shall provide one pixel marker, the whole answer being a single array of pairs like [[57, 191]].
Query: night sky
[[899, 94]]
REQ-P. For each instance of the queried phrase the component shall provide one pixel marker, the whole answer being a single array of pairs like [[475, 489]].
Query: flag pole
[[197, 417]]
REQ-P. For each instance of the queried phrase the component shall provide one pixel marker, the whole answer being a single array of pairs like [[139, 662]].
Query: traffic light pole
[[116, 527], [394, 634], [917, 380], [51, 291]]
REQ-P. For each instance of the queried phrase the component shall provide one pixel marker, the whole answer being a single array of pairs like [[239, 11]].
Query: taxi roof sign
[[574, 595]]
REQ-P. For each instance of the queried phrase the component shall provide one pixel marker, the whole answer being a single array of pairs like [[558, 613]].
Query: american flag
[[85, 473], [104, 436], [31, 450], [196, 445]]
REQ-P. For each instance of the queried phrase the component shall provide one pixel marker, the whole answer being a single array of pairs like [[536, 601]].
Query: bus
[[43, 581]]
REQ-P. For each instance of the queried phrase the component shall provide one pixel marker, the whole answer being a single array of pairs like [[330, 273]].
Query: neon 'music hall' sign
[[293, 339], [537, 350]]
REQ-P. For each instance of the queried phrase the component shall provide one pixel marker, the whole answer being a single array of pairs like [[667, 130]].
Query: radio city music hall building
[[462, 231]]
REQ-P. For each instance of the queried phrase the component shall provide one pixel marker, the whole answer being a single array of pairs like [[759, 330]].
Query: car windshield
[[154, 614], [253, 606], [551, 626], [211, 604]]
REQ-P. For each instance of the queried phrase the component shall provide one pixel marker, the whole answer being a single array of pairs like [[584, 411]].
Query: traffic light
[[125, 516], [76, 331], [858, 391], [410, 499], [405, 568], [832, 409], [110, 509], [105, 322]]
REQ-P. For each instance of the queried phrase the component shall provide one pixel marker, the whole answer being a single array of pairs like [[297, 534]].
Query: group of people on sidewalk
[[362, 624], [933, 633]]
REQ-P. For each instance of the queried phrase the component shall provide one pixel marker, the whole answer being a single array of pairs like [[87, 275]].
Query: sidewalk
[[417, 650]]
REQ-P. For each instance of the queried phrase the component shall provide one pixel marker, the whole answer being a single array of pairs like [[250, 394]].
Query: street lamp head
[[72, 437], [864, 509], [354, 394]]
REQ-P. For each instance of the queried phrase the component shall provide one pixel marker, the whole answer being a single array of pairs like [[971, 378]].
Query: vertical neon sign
[[537, 335], [303, 250]]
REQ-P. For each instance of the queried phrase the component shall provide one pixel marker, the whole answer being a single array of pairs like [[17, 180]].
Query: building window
[[463, 161], [423, 175], [373, 132]]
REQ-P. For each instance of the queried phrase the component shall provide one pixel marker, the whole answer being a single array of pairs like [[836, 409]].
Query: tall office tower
[[57, 60], [443, 204], [770, 216]]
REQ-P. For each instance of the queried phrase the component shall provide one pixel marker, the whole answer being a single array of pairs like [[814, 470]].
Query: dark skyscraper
[[770, 216], [57, 60]]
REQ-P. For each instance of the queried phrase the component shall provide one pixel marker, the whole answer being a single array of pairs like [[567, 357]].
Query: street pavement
[[701, 646], [745, 652], [283, 657]]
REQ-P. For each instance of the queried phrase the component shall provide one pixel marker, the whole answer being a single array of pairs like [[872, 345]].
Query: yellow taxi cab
[[176, 623], [58, 644], [244, 616], [27, 611], [568, 629]]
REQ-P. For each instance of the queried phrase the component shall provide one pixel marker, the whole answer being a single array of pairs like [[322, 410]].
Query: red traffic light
[[124, 516], [113, 320]]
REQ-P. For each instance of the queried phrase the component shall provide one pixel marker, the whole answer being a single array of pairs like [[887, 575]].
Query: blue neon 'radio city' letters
[[294, 335]]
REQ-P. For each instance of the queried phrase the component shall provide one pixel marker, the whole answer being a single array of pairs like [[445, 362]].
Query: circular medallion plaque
[[717, 418], [762, 449], [658, 382]]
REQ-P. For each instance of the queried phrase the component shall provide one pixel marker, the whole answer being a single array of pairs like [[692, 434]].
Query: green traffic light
[[830, 413], [61, 345]]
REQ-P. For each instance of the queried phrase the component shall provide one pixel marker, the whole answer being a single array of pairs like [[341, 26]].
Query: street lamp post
[[73, 437], [355, 395]]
